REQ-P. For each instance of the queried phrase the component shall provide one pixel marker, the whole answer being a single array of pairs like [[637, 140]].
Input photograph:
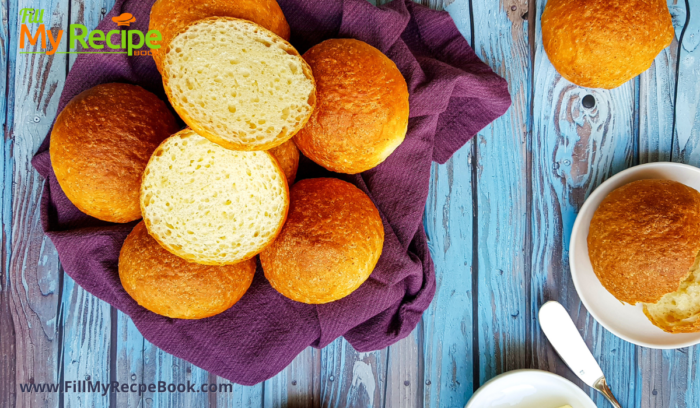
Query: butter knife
[[566, 340]]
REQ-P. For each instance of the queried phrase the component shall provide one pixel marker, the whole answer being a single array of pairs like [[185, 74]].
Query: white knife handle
[[566, 340]]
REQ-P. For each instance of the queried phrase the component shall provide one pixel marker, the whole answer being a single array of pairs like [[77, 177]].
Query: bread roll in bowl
[[171, 286], [361, 113], [643, 239], [604, 43], [329, 245], [100, 145], [171, 16]]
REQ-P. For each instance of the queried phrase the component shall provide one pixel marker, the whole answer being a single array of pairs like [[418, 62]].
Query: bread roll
[[212, 205], [330, 244], [361, 115], [679, 311], [643, 239], [253, 91], [170, 16], [604, 43], [171, 286], [100, 145], [287, 155]]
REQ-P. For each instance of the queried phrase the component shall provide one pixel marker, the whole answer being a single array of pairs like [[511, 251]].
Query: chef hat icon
[[125, 19]]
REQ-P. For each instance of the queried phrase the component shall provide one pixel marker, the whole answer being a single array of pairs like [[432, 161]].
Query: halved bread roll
[[170, 16], [251, 91], [212, 205], [679, 311]]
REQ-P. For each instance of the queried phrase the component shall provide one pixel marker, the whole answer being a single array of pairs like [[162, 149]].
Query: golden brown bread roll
[[643, 239], [171, 286], [604, 43], [170, 16], [101, 143], [287, 155], [361, 112], [330, 244]]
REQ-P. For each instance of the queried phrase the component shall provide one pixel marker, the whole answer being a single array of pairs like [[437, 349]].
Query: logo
[[125, 19], [121, 41]]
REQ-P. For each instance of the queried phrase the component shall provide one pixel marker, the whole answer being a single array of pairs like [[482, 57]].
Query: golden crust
[[643, 239], [171, 286], [604, 43], [184, 133], [170, 16], [100, 145], [330, 244], [362, 110], [690, 327], [287, 156], [202, 130]]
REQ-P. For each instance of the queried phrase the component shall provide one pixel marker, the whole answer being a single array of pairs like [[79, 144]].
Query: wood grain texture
[[130, 361], [87, 321], [447, 325], [350, 378], [574, 149], [7, 329], [299, 385], [404, 379], [685, 363], [664, 373], [35, 82], [501, 41], [687, 115], [86, 342]]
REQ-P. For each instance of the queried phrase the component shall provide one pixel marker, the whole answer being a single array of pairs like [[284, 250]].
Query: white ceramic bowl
[[625, 321], [529, 389]]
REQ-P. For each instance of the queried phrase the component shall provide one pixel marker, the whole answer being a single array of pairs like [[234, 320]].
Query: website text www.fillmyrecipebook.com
[[88, 386]]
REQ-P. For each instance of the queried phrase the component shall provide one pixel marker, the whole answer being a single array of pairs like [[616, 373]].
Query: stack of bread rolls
[[221, 191]]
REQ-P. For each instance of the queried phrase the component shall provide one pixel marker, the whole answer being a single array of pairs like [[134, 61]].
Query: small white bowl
[[529, 389], [625, 321]]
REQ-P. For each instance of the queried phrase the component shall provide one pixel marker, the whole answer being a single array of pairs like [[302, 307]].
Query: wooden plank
[[87, 323], [501, 41], [8, 358], [352, 379], [686, 149], [687, 131], [299, 385], [240, 396], [172, 370], [574, 149], [447, 325], [129, 364], [86, 343], [405, 371], [664, 373], [34, 87]]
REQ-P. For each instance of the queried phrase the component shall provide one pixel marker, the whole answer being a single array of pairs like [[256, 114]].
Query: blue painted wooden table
[[498, 217]]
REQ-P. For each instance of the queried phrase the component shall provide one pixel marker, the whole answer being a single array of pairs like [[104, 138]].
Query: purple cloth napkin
[[452, 96]]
